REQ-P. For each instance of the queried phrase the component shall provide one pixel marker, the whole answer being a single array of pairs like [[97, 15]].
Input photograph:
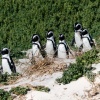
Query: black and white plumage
[[50, 44], [36, 46], [77, 36], [63, 49], [7, 62], [87, 41]]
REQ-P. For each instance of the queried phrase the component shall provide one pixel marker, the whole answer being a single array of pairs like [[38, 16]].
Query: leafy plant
[[19, 20], [4, 95], [42, 88], [5, 78], [19, 90], [90, 76], [80, 68]]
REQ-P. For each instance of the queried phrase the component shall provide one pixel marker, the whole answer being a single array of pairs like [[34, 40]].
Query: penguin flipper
[[73, 41], [13, 68], [55, 52], [91, 41], [43, 53]]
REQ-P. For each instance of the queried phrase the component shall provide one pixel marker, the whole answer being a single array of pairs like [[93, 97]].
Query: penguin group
[[51, 49], [82, 40]]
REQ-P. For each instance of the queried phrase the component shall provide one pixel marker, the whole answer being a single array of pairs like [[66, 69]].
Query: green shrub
[[79, 68], [4, 95], [90, 76], [19, 90], [4, 78], [20, 19], [88, 57], [42, 88]]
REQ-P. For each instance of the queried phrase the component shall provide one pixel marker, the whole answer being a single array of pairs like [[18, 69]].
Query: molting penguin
[[7, 62], [36, 47], [77, 36], [50, 45], [63, 49], [87, 41]]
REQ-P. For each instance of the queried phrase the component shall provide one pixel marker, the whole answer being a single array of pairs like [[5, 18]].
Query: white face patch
[[36, 38], [5, 49]]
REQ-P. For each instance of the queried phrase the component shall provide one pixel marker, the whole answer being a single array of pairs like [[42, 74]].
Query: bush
[[19, 90], [4, 78], [80, 68], [20, 19], [42, 88], [4, 95]]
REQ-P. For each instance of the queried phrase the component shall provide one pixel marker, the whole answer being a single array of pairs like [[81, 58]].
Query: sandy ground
[[82, 89]]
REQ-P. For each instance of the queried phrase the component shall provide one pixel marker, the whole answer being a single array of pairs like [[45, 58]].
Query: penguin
[[77, 36], [63, 49], [50, 45], [36, 47], [7, 62], [87, 41]]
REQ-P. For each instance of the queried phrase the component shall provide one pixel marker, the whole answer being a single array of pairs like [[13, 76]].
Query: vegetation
[[42, 88], [3, 77], [20, 19], [90, 75], [4, 95], [6, 78], [19, 90], [80, 68]]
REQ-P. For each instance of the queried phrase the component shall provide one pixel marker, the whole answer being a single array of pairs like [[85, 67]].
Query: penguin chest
[[36, 51], [62, 51], [6, 66], [49, 48], [86, 45], [78, 40]]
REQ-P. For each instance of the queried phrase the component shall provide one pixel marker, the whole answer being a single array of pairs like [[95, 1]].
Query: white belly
[[62, 51], [49, 49], [86, 45], [78, 40], [6, 67], [36, 52]]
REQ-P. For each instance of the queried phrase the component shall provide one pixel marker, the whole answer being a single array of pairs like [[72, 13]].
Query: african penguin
[[7, 62], [36, 47], [87, 41], [63, 49], [50, 44], [77, 36]]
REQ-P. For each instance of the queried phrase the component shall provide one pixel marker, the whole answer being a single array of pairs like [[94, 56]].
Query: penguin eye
[[84, 32], [35, 39], [4, 51], [77, 27], [49, 35], [61, 37]]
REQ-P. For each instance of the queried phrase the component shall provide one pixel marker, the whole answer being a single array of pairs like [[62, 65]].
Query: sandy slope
[[81, 89]]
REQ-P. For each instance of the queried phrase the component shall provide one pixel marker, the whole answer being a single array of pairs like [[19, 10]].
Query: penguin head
[[77, 26], [84, 32], [35, 38], [61, 37], [4, 51], [50, 34]]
